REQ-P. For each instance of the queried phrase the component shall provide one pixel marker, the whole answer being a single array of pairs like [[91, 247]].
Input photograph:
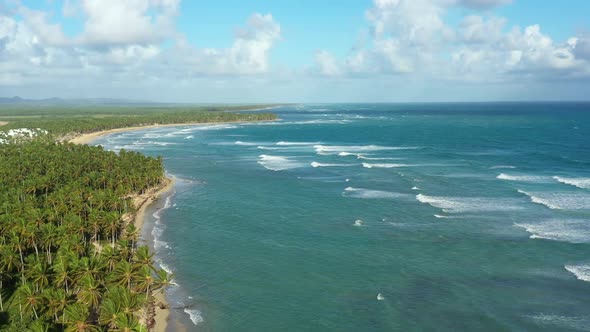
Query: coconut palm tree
[[77, 319]]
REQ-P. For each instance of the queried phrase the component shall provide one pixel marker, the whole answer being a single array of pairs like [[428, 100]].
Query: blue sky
[[296, 51]]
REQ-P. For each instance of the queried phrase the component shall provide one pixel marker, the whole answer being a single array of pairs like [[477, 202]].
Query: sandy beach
[[90, 137], [2, 123], [142, 202]]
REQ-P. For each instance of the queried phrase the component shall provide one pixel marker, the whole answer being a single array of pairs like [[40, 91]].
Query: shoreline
[[87, 138], [141, 203], [145, 200]]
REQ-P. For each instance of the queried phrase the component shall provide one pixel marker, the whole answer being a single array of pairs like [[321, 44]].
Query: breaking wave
[[559, 200], [370, 194], [573, 231], [316, 164], [335, 149], [583, 183], [522, 178], [367, 165], [468, 204], [582, 272], [277, 163]]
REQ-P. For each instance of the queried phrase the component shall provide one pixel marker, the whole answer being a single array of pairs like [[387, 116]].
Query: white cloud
[[582, 47], [249, 53], [115, 22], [411, 37], [475, 29], [482, 4], [327, 64], [123, 40]]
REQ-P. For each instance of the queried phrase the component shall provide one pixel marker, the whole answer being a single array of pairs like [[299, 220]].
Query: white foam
[[195, 315], [569, 322], [522, 178], [358, 223], [335, 149], [415, 188], [574, 231], [277, 163], [582, 272], [283, 143], [378, 158], [442, 217], [344, 154], [261, 147], [158, 245], [370, 194], [189, 137], [162, 265], [367, 165], [560, 200], [583, 183], [380, 297], [209, 127], [503, 166], [245, 143], [468, 204], [316, 164]]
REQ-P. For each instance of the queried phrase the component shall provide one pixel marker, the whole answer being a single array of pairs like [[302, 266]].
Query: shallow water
[[379, 217]]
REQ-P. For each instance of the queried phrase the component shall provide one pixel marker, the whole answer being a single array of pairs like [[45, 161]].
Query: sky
[[260, 51]]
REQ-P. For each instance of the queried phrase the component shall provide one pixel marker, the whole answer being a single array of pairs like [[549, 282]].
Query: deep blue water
[[418, 217]]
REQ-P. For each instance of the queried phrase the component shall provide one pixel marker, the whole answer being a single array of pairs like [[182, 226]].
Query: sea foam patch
[[583, 183], [284, 143], [582, 272], [336, 149], [523, 178], [561, 322], [385, 165], [278, 163], [316, 164], [370, 194], [565, 230], [469, 204], [559, 200], [195, 315]]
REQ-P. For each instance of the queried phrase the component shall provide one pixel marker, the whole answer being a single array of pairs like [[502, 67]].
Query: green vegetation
[[62, 121], [69, 259], [68, 254]]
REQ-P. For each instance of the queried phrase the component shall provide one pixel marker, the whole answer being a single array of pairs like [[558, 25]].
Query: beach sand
[[90, 137], [142, 202], [2, 123]]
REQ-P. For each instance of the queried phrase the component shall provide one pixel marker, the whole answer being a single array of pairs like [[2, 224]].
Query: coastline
[[90, 137], [141, 203]]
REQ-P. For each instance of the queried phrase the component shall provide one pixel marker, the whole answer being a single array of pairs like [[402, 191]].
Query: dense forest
[[68, 254], [69, 258], [90, 119]]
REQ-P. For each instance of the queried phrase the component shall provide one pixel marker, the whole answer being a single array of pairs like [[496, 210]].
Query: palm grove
[[69, 259], [68, 253]]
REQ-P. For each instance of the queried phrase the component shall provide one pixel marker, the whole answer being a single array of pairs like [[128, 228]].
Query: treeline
[[91, 122], [69, 258]]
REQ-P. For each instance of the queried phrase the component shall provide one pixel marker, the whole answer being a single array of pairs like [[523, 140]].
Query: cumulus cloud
[[130, 40], [482, 4], [326, 63], [411, 37], [115, 22]]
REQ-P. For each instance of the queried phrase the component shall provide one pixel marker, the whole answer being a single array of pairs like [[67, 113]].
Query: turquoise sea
[[378, 217]]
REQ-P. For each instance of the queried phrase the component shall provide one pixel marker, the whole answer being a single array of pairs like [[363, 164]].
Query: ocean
[[377, 217]]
